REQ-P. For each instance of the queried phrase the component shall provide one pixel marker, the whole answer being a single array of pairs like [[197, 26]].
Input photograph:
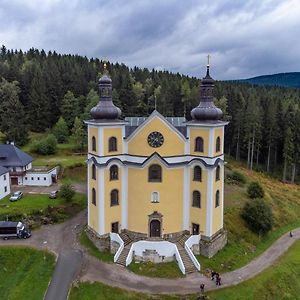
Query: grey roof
[[134, 122], [3, 170], [12, 156]]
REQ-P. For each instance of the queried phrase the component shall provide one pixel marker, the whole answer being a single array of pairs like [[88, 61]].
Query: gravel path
[[63, 237]]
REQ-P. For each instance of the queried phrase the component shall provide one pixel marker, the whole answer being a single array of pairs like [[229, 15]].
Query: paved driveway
[[35, 189]]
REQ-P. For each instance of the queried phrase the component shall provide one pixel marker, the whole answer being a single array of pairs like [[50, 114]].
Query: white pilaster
[[186, 198], [101, 141], [222, 166], [88, 193], [124, 142], [211, 142], [124, 197], [101, 198], [209, 203], [187, 143]]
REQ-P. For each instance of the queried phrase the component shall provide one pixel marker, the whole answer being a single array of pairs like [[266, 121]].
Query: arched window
[[154, 173], [93, 171], [94, 148], [155, 197], [218, 173], [112, 144], [114, 197], [196, 199], [94, 196], [199, 144], [217, 198], [218, 144], [197, 174], [114, 173]]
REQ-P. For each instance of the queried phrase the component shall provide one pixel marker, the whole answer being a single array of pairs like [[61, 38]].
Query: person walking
[[202, 285], [219, 280], [291, 234], [213, 274]]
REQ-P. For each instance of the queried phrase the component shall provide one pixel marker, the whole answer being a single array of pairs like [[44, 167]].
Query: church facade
[[157, 176]]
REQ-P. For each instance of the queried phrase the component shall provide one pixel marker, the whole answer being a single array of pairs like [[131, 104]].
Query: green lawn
[[93, 250], [34, 207], [24, 273], [279, 282], [161, 270]]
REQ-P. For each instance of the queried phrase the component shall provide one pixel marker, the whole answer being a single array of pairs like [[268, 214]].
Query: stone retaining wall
[[209, 247], [101, 242]]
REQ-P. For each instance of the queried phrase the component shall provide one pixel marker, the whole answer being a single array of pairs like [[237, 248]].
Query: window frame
[[94, 172], [112, 144], [114, 202], [218, 170], [197, 178], [152, 197], [94, 198], [217, 199], [199, 144], [195, 200], [151, 169], [94, 144], [114, 174], [218, 144]]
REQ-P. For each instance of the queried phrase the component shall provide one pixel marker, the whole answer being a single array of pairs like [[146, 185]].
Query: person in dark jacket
[[202, 287]]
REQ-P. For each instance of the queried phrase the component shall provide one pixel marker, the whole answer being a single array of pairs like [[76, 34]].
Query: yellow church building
[[157, 178]]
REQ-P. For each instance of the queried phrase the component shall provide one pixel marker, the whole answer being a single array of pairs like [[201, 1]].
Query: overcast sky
[[244, 38]]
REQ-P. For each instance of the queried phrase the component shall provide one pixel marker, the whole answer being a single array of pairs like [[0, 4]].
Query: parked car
[[14, 229], [53, 194], [16, 196]]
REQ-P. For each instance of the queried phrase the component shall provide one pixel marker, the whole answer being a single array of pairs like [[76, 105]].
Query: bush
[[255, 190], [67, 192], [236, 177], [258, 216], [61, 131], [45, 146]]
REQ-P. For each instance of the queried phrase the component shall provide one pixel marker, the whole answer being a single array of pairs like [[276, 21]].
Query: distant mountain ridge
[[291, 79]]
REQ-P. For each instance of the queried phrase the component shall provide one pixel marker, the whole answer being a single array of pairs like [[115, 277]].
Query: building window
[[4, 176], [25, 178], [93, 196], [94, 148], [155, 197], [218, 173], [112, 144], [5, 189], [45, 178], [197, 174], [155, 173], [93, 171], [114, 197], [114, 173], [199, 144], [32, 178], [115, 227], [218, 144], [217, 198], [38, 178], [196, 199]]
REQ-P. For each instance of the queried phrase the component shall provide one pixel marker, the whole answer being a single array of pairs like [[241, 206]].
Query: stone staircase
[[127, 244], [187, 262]]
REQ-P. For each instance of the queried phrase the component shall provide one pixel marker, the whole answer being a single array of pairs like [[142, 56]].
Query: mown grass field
[[24, 273], [279, 282], [244, 245]]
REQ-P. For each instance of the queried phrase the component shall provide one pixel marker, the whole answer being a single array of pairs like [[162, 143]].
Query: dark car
[[53, 194], [16, 196]]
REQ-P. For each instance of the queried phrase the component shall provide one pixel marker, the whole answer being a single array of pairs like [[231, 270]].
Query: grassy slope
[[279, 282], [243, 245], [21, 269]]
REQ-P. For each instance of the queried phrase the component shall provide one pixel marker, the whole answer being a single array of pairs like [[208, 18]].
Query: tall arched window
[[114, 172], [93, 171], [217, 198], [218, 173], [196, 199], [112, 144], [155, 173], [197, 174], [114, 197], [218, 144], [199, 144], [93, 196], [94, 148]]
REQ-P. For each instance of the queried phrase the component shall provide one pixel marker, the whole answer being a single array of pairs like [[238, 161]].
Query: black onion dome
[[206, 110], [105, 109]]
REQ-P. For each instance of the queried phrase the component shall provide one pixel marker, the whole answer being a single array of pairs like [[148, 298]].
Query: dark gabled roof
[[3, 170], [12, 156]]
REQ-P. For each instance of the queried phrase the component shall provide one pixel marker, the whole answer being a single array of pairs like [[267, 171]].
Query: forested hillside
[[291, 79], [37, 88]]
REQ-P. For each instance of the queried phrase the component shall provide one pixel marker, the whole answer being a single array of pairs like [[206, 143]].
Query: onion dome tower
[[105, 109], [206, 110]]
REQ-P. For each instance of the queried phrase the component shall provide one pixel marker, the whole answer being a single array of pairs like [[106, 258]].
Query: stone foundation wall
[[102, 242], [174, 236], [135, 235], [153, 256], [209, 247], [114, 246]]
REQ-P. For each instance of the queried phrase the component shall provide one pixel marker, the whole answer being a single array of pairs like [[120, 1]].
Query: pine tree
[[78, 137], [60, 130], [70, 108]]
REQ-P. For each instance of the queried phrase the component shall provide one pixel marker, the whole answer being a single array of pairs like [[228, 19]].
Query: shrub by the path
[[255, 190]]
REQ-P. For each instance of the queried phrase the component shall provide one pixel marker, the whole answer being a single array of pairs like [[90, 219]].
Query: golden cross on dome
[[208, 60], [105, 60]]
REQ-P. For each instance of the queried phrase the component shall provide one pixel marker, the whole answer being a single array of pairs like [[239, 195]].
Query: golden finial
[[105, 63]]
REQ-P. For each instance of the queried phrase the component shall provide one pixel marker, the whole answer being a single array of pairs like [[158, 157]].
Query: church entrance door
[[155, 228]]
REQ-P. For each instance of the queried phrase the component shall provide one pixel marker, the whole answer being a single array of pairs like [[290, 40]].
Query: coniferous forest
[[37, 88]]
